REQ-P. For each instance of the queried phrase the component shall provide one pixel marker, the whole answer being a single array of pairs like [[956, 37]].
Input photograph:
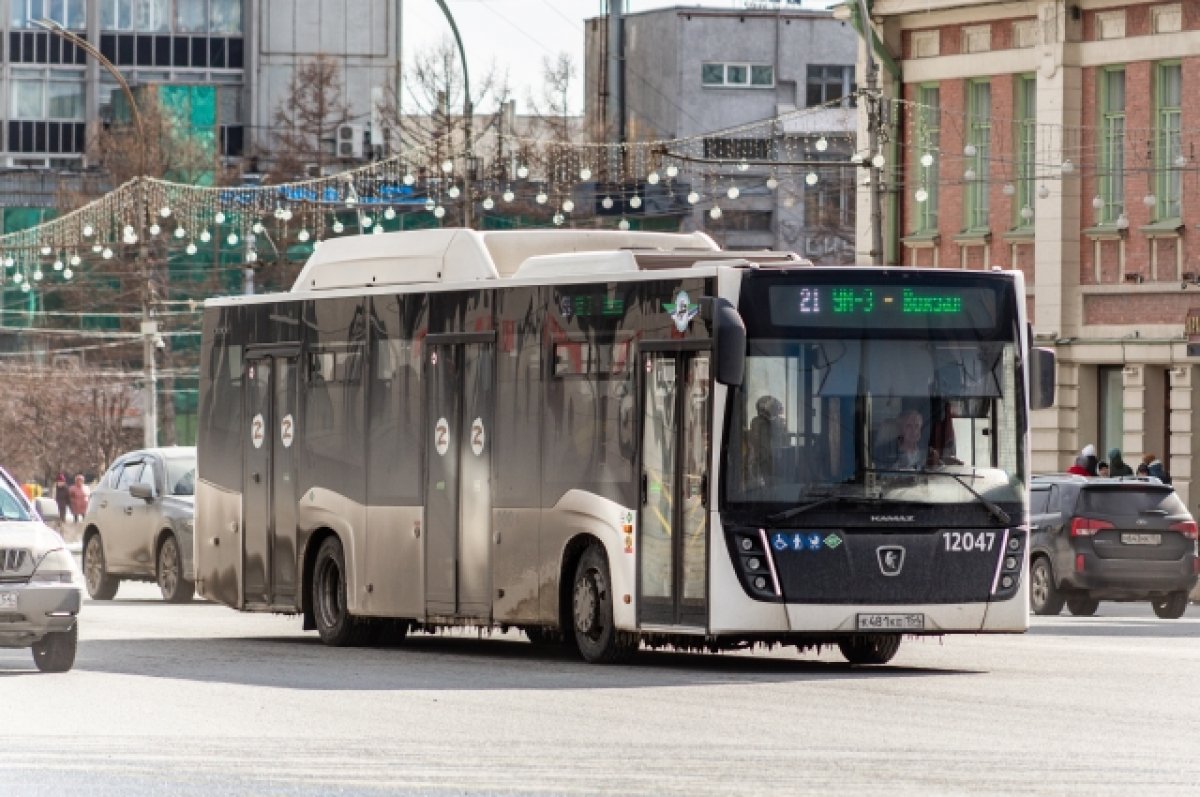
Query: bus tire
[[598, 641], [335, 624], [101, 585], [869, 648], [1044, 596], [171, 582]]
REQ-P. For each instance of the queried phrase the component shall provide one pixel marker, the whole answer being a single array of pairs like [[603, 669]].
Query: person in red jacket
[[79, 498]]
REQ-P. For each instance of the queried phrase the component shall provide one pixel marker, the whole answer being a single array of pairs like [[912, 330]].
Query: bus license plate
[[1136, 538], [891, 622]]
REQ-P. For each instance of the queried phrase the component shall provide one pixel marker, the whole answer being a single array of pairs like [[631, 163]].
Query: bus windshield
[[931, 421]]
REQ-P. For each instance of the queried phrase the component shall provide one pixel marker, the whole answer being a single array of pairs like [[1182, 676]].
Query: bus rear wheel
[[335, 624], [869, 648], [599, 642]]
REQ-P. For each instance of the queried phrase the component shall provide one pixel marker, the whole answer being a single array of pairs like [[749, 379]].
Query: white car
[[41, 587]]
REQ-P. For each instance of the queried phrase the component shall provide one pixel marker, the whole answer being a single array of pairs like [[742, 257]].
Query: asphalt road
[[201, 700]]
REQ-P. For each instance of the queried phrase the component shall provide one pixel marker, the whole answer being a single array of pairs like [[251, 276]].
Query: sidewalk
[[71, 531]]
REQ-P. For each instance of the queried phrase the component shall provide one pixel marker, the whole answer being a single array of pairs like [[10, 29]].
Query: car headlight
[[56, 567]]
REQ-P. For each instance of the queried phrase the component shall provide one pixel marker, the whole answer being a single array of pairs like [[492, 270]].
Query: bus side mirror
[[730, 332], [1041, 378]]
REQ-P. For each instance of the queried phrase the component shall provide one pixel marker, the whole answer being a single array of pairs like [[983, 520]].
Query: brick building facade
[[1056, 137]]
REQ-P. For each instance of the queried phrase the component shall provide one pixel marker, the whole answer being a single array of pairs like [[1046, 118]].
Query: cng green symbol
[[833, 541]]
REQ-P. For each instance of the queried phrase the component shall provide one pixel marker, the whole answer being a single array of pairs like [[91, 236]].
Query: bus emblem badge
[[891, 559], [682, 310]]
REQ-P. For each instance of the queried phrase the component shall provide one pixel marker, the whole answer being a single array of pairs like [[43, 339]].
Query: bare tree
[[308, 118], [553, 111]]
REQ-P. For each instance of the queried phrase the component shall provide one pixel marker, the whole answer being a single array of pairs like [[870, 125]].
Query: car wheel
[[598, 641], [1044, 597], [101, 586], [1082, 605], [56, 652], [1171, 607], [175, 588], [335, 624], [869, 648]]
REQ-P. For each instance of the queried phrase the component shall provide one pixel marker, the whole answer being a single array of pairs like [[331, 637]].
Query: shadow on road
[[448, 663]]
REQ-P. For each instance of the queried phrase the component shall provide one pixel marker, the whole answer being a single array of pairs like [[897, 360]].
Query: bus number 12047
[[969, 541]]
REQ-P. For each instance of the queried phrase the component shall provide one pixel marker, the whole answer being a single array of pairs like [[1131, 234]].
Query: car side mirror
[[142, 491]]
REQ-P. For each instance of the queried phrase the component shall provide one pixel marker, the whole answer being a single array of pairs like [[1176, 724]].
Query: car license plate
[[891, 622], [8, 600], [1136, 538]]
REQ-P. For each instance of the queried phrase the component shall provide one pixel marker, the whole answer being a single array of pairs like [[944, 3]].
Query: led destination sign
[[882, 306]]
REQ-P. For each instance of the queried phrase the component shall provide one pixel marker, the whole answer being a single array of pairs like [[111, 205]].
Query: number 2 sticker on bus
[[478, 437], [287, 430], [441, 436], [256, 430]]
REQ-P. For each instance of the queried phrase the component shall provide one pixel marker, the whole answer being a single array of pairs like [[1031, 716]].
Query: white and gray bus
[[618, 438]]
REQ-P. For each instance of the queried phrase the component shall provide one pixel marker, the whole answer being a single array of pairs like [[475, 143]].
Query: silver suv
[[139, 524], [40, 584]]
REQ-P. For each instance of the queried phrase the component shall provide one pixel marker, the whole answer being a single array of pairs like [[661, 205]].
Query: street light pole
[[468, 121], [873, 122], [149, 326]]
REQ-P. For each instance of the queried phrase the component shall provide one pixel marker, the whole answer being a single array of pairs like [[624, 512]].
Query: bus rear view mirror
[[1041, 379], [730, 333]]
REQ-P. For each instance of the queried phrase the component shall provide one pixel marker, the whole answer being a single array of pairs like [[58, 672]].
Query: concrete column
[[1184, 409]]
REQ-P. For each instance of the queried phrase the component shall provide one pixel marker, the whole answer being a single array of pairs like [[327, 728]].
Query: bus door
[[673, 524], [269, 480], [458, 493]]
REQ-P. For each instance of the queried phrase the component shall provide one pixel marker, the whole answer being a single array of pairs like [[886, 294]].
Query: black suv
[[1123, 539]]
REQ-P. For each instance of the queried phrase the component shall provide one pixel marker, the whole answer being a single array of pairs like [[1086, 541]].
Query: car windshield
[[875, 419], [1130, 501], [181, 476], [11, 506]]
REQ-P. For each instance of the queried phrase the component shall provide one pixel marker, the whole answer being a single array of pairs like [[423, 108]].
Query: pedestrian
[[1143, 469], [1102, 469], [1116, 465], [1080, 466], [1091, 461], [62, 496], [1156, 468], [79, 498]]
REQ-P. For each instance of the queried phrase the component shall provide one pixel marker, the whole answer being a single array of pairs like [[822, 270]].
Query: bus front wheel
[[335, 624], [869, 648], [599, 642]]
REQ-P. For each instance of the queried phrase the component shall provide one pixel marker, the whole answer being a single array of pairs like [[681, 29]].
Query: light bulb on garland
[[508, 196], [927, 160], [1009, 189], [180, 232], [557, 219], [88, 230], [652, 178], [772, 183], [606, 203], [453, 192], [377, 229], [46, 250], [585, 173], [75, 261], [541, 198], [810, 178], [24, 287], [409, 179], [439, 212], [568, 206], [623, 224], [37, 275], [733, 192], [635, 202], [219, 218], [97, 248], [154, 229], [58, 264], [921, 195], [338, 227], [488, 203], [18, 277], [714, 212], [693, 198], [164, 212], [107, 253], [743, 166], [286, 215], [522, 171], [430, 204], [367, 221], [1097, 202], [258, 226], [302, 236], [191, 248], [68, 273], [672, 170], [822, 144], [390, 213], [447, 166], [232, 239], [205, 236]]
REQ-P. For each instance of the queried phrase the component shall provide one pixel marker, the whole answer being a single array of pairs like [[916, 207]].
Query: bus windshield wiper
[[993, 508], [800, 510]]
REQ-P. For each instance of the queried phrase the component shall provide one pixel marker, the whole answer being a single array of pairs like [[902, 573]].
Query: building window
[[757, 76], [71, 14], [1112, 408], [33, 97], [1112, 144], [1168, 98], [977, 38], [757, 149], [979, 139], [829, 83], [929, 122], [1025, 135]]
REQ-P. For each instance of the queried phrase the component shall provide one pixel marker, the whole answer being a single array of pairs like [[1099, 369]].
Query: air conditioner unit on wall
[[349, 141]]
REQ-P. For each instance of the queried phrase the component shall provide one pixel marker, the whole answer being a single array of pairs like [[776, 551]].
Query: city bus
[[610, 439]]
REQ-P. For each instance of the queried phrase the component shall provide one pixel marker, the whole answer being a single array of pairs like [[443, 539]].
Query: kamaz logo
[[892, 518], [891, 559]]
